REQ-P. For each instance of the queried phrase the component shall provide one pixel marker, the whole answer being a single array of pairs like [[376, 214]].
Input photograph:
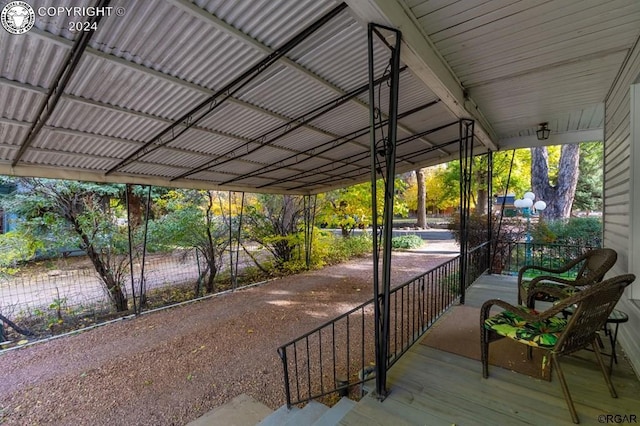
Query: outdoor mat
[[458, 332]]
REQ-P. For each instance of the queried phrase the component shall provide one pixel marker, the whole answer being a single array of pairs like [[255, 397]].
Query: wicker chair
[[594, 265], [547, 331]]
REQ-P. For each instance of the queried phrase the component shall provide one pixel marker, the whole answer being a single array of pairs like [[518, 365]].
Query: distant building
[[509, 209]]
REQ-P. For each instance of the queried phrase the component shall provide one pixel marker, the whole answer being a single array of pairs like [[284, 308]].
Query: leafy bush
[[477, 229], [15, 249], [576, 231], [407, 242], [329, 248]]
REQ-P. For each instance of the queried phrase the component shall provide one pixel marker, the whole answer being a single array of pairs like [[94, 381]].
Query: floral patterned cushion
[[568, 290], [542, 334]]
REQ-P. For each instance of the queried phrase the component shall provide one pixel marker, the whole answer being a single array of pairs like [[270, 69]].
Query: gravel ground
[[172, 366]]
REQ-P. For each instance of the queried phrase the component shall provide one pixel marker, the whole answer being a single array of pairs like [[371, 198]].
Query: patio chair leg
[[484, 351], [565, 388], [607, 376]]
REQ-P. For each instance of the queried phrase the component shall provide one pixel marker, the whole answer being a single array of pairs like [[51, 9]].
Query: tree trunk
[[135, 208], [421, 212], [481, 176], [210, 248], [559, 198], [113, 287], [210, 285], [118, 298], [481, 202]]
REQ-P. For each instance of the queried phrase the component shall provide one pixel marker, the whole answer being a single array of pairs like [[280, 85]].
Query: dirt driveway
[[172, 366]]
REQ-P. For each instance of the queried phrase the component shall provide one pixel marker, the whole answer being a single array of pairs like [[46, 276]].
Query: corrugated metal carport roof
[[128, 112]]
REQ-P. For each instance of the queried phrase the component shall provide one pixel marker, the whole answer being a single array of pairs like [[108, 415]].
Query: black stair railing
[[339, 355]]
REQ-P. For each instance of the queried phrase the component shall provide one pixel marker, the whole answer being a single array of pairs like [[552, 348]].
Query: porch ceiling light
[[543, 132]]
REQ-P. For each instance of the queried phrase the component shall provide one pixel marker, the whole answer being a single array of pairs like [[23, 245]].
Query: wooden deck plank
[[467, 388], [368, 411], [430, 386], [511, 389]]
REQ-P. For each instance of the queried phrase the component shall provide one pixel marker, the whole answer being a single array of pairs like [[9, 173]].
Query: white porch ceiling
[[508, 64]]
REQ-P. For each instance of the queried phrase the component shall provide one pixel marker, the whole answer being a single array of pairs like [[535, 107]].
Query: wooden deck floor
[[433, 387]]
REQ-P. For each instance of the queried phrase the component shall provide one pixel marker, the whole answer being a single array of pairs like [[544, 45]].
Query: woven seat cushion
[[542, 334], [568, 290]]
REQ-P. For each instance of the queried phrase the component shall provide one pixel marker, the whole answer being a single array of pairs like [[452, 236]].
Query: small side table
[[616, 317]]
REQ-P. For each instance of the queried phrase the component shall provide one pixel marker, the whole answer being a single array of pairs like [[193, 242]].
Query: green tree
[[556, 189], [274, 221], [518, 175], [16, 247], [518, 180], [347, 208], [191, 221], [77, 214], [589, 188], [350, 208], [436, 191], [421, 207]]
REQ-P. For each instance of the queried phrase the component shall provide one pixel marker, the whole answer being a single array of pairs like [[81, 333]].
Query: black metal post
[[466, 169], [383, 148], [309, 222], [489, 207], [143, 287], [235, 243], [133, 281], [231, 271]]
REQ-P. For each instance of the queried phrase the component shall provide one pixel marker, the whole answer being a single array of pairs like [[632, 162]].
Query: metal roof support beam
[[108, 107], [383, 147], [236, 33], [324, 147], [365, 155], [425, 61], [206, 107], [59, 84], [357, 175], [466, 170], [280, 131], [174, 80]]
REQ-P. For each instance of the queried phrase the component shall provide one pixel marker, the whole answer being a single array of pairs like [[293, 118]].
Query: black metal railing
[[340, 354], [479, 259], [509, 256]]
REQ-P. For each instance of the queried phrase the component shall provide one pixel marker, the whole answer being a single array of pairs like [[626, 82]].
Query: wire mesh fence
[[63, 295]]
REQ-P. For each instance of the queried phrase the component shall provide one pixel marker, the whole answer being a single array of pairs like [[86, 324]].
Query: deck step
[[314, 413], [307, 415], [332, 416], [279, 417], [295, 416], [242, 410]]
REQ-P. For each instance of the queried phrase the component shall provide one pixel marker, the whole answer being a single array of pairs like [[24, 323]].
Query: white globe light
[[527, 203], [518, 204], [529, 196], [540, 205]]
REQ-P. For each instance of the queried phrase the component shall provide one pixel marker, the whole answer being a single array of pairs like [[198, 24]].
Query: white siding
[[621, 210]]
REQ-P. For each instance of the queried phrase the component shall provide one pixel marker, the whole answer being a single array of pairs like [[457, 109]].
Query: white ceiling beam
[[90, 176], [578, 136], [419, 53]]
